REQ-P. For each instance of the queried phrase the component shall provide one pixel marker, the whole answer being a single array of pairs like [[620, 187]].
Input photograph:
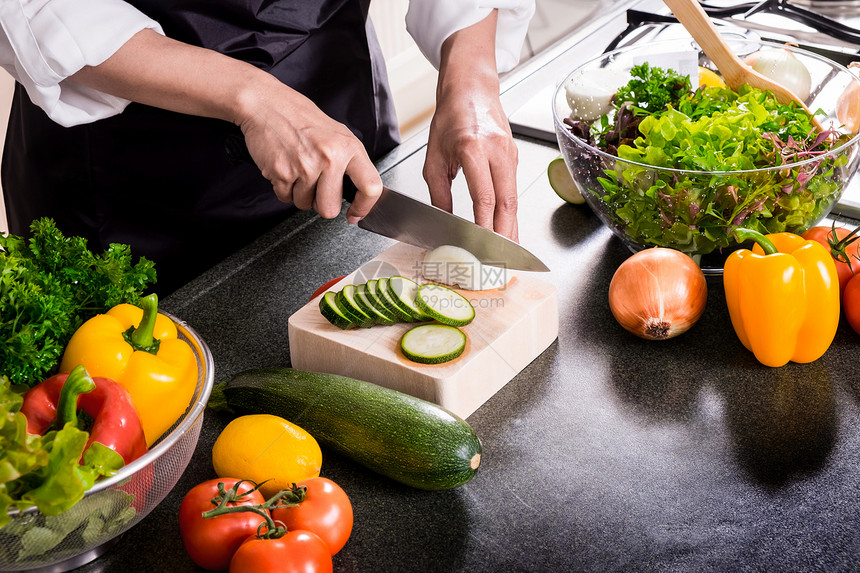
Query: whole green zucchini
[[397, 435]]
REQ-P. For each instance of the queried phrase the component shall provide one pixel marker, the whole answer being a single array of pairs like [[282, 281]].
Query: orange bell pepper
[[139, 349], [783, 297]]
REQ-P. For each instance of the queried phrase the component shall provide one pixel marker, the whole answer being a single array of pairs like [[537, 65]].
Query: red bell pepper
[[115, 423]]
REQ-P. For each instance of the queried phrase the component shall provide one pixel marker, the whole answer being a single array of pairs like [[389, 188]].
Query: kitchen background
[[413, 80]]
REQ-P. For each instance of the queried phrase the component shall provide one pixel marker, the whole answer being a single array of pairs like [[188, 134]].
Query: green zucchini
[[383, 294], [346, 300], [394, 434], [334, 312], [433, 343], [368, 305], [404, 291], [444, 305]]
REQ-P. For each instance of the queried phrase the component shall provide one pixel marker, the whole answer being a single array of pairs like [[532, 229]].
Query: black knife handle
[[237, 153]]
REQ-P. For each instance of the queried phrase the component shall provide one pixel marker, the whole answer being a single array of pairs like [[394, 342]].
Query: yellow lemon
[[262, 447], [710, 79]]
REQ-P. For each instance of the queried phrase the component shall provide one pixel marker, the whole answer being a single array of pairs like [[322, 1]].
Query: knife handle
[[237, 153]]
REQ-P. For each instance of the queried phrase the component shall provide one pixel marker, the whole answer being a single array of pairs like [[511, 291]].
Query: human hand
[[305, 154], [470, 131], [302, 151]]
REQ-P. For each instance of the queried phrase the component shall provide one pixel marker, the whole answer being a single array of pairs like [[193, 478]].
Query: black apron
[[166, 183]]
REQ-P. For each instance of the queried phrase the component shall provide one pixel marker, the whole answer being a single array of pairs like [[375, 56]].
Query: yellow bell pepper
[[783, 297], [139, 349]]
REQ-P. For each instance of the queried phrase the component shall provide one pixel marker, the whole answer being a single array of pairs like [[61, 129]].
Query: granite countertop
[[606, 453]]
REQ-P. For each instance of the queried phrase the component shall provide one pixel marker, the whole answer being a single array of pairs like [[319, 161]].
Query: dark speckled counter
[[607, 453]]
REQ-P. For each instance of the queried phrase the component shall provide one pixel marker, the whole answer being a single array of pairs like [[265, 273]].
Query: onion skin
[[658, 293], [783, 67], [848, 105]]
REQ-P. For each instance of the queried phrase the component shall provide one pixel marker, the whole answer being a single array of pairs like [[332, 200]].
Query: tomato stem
[[838, 246], [270, 529]]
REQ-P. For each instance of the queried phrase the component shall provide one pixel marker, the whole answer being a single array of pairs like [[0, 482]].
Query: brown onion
[[658, 293]]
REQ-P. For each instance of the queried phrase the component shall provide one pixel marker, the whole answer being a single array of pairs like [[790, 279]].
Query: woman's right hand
[[305, 153]]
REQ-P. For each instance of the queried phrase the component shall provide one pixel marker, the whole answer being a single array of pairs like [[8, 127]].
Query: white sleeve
[[430, 22], [43, 42]]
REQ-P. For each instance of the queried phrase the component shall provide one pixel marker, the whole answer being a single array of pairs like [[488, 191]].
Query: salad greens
[[712, 141], [652, 89], [45, 471], [49, 286]]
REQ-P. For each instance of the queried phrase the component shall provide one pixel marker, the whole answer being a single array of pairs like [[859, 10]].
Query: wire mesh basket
[[53, 544]]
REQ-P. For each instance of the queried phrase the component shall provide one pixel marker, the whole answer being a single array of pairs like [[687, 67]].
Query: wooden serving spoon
[[735, 73]]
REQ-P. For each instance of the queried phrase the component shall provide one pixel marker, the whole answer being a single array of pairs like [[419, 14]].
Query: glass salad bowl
[[695, 210], [35, 542]]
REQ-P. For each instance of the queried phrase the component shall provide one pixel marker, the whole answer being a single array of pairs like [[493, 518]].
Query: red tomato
[[845, 270], [851, 303], [325, 287], [212, 542], [296, 552], [326, 510]]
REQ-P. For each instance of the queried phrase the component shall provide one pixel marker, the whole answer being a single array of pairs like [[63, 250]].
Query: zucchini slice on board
[[378, 301], [346, 299], [444, 305], [433, 343], [334, 313], [391, 302], [370, 306], [397, 435], [404, 290]]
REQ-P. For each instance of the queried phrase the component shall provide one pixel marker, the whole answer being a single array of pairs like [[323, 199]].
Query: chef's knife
[[408, 220]]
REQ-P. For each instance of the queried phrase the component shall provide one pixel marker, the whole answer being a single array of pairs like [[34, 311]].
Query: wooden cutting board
[[512, 326]]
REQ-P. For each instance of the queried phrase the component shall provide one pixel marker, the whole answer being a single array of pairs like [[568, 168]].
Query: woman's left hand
[[470, 131]]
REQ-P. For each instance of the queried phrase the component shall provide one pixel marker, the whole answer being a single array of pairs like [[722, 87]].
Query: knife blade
[[411, 221]]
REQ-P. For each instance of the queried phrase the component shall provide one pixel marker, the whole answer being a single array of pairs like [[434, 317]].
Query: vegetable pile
[[708, 141], [228, 524], [49, 286]]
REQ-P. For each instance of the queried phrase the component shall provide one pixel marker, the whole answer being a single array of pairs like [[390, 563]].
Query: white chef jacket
[[43, 42]]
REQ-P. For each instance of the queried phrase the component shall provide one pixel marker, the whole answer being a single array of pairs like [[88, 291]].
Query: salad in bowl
[[679, 160]]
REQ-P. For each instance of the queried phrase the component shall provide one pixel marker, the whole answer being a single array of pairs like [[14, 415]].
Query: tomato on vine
[[212, 542], [296, 551], [851, 303], [843, 246], [325, 510]]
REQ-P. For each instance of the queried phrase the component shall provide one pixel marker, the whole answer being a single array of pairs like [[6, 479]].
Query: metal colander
[[52, 544]]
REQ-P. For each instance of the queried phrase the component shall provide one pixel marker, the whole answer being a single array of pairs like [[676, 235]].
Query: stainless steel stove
[[829, 27]]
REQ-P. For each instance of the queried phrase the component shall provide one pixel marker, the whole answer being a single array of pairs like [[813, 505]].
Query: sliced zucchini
[[368, 305], [433, 343], [334, 313], [403, 291], [562, 183], [391, 304], [346, 299], [375, 299], [444, 305]]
